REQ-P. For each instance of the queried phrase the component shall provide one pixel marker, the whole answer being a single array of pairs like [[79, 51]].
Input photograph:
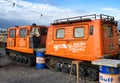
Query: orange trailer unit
[[84, 38]]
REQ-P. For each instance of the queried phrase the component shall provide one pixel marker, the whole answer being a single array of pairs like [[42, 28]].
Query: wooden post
[[77, 71], [77, 63]]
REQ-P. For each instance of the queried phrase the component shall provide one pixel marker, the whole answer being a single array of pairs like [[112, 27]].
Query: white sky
[[31, 12]]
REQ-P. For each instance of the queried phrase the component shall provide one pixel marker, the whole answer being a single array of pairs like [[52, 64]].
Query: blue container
[[109, 75], [109, 70], [40, 60]]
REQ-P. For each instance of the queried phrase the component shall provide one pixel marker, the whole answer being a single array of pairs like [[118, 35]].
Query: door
[[22, 37], [12, 38], [109, 38]]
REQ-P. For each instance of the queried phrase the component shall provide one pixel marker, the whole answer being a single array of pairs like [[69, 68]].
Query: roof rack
[[106, 17], [84, 18]]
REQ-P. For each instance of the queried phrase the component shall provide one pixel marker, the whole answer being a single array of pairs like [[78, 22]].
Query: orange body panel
[[22, 44], [89, 47]]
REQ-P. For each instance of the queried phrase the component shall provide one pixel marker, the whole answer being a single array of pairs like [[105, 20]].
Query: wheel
[[18, 59], [22, 59], [82, 72], [29, 62], [73, 70], [25, 60], [12, 56], [57, 67], [93, 73], [65, 68]]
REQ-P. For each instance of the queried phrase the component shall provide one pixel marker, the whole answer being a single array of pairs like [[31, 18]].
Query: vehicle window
[[91, 30], [22, 32], [12, 33], [79, 32], [60, 33], [110, 31]]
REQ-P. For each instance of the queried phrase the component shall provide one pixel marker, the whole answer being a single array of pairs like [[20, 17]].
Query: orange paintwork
[[88, 48], [21, 44]]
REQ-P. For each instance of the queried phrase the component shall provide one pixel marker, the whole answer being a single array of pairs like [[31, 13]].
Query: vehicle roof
[[27, 27], [85, 18]]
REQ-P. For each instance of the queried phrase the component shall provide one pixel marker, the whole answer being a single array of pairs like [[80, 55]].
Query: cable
[[23, 7]]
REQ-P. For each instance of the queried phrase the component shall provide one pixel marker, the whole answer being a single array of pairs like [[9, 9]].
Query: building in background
[[3, 37]]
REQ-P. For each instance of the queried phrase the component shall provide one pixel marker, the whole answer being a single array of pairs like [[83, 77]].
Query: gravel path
[[20, 74], [17, 73]]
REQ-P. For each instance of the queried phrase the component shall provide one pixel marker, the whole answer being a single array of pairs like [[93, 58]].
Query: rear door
[[110, 39], [12, 38], [23, 37]]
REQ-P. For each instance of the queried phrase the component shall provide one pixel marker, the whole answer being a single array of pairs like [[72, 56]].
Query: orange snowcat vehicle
[[85, 38], [22, 40]]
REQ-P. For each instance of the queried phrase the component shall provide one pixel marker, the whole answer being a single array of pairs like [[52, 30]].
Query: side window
[[91, 30], [22, 32], [12, 33], [60, 33], [110, 31], [79, 32]]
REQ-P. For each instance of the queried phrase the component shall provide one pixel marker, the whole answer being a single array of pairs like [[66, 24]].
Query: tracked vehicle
[[85, 38], [22, 42]]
